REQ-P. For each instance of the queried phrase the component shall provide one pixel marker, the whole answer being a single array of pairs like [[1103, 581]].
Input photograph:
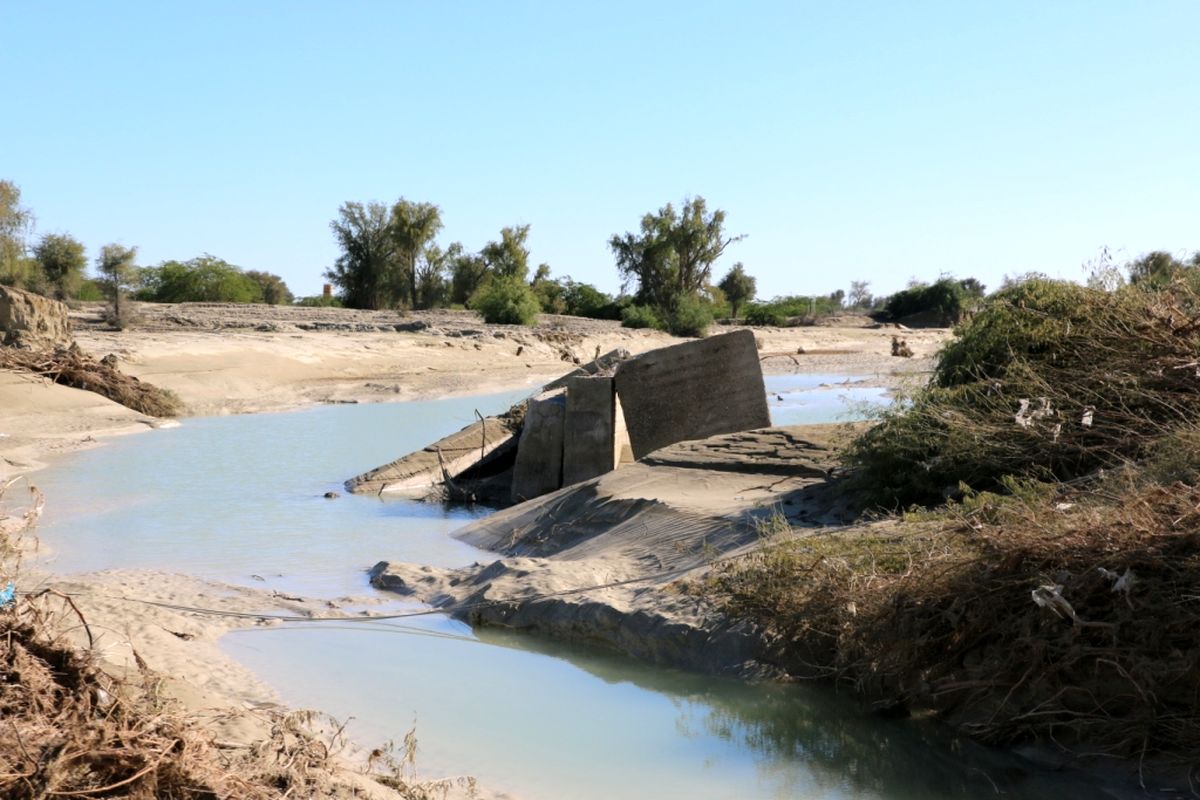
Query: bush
[[205, 279], [640, 317], [505, 301], [1049, 380], [760, 314], [585, 300], [320, 301], [691, 317], [947, 301]]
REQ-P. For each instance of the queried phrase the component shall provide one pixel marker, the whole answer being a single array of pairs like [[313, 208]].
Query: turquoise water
[[237, 497]]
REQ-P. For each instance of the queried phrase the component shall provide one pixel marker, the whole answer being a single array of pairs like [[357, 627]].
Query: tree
[[432, 286], [274, 290], [413, 226], [117, 266], [205, 279], [509, 257], [673, 254], [738, 287], [16, 225], [1154, 270], [467, 271], [860, 294], [63, 261], [366, 271]]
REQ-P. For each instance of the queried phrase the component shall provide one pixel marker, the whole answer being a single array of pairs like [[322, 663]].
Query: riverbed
[[240, 499]]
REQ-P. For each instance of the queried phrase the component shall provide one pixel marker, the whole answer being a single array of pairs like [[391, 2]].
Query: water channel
[[240, 499]]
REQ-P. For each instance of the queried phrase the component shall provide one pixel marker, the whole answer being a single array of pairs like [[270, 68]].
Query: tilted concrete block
[[539, 466], [692, 391], [588, 445]]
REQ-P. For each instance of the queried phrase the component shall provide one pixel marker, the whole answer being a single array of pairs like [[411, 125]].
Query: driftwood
[[72, 367]]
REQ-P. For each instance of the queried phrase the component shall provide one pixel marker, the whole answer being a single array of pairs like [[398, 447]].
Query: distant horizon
[[848, 143]]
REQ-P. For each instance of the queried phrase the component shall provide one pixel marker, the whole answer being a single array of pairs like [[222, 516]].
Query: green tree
[[433, 289], [63, 261], [118, 270], [205, 279], [673, 254], [509, 257], [467, 271], [1155, 270], [273, 289], [366, 271], [738, 287], [16, 225], [413, 226]]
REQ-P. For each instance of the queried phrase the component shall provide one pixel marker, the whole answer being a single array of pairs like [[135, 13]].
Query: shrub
[[947, 301], [1048, 380], [691, 317], [505, 301], [320, 301], [760, 314], [640, 317]]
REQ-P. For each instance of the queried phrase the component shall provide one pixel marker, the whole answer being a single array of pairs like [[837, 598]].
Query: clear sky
[[848, 140]]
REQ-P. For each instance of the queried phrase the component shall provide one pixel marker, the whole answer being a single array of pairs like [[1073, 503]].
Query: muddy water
[[240, 499]]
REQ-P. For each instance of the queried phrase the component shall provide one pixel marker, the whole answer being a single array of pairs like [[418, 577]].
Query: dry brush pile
[[1056, 596], [72, 367]]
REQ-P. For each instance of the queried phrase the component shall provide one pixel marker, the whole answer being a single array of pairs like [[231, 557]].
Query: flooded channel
[[240, 499]]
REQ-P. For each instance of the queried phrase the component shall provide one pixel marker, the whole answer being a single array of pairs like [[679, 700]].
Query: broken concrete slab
[[416, 474], [539, 467], [588, 443], [692, 391]]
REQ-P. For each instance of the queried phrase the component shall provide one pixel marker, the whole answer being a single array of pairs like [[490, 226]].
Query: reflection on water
[[232, 497], [810, 399]]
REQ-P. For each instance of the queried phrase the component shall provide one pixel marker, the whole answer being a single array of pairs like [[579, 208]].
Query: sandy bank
[[601, 561]]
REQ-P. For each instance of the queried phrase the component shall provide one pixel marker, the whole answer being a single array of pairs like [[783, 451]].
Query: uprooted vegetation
[[1055, 595], [72, 367], [73, 728]]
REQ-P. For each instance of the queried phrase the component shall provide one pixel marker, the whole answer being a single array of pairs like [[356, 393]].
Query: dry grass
[[72, 367], [939, 611]]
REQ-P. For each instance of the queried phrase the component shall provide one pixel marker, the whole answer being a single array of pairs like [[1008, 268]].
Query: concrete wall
[[692, 391], [588, 449], [539, 467]]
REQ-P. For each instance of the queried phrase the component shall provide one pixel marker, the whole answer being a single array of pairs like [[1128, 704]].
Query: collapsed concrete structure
[[616, 409]]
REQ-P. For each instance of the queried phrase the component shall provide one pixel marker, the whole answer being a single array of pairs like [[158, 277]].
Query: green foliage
[[738, 287], [690, 317], [640, 317], [1047, 380], [792, 309], [765, 315], [319, 301], [367, 271], [1157, 269], [90, 291], [946, 301], [467, 271], [62, 261], [549, 294], [673, 254], [509, 257], [505, 300], [585, 300], [118, 270], [206, 279], [413, 227], [272, 289], [16, 225]]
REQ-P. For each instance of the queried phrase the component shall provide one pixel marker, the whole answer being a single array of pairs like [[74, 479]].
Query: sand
[[230, 359]]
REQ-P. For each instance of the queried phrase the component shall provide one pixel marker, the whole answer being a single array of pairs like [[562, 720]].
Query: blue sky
[[856, 140]]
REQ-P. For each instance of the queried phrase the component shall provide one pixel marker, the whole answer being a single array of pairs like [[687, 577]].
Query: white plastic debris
[[1051, 597], [1089, 415]]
